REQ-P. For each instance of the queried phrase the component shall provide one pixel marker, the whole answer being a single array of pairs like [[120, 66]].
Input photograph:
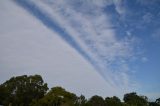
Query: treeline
[[32, 91]]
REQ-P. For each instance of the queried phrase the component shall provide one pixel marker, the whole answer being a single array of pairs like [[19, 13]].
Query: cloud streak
[[87, 28], [29, 47]]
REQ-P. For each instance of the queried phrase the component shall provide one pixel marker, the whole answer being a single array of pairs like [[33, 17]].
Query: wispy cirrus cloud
[[119, 6], [87, 28], [29, 47]]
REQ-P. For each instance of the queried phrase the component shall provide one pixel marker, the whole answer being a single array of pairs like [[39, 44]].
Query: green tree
[[133, 99], [57, 96], [153, 104], [157, 101], [113, 101], [4, 93], [22, 90], [81, 101], [96, 101]]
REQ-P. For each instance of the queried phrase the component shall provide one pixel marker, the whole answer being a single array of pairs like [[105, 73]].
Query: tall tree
[[113, 101], [81, 101], [57, 96], [22, 90], [134, 100], [96, 101]]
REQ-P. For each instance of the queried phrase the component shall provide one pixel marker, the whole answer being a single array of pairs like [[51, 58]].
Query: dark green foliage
[[153, 104], [4, 94], [113, 101], [32, 91], [22, 90], [133, 99], [158, 101], [81, 101], [96, 101], [57, 96]]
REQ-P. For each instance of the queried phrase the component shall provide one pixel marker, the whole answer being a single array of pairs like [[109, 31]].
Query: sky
[[103, 47]]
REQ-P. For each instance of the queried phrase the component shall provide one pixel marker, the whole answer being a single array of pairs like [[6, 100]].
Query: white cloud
[[147, 18], [128, 33], [144, 59], [93, 32], [91, 29], [119, 7], [28, 47], [156, 34]]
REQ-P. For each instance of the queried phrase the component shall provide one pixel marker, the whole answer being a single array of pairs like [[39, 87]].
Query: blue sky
[[114, 42]]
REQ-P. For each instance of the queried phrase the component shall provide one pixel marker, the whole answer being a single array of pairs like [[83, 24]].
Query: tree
[[157, 101], [113, 101], [96, 101], [81, 101], [4, 93], [57, 96], [153, 104], [134, 100], [22, 90]]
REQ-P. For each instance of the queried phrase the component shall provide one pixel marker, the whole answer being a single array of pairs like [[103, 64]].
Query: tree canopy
[[96, 101], [135, 100], [113, 101], [57, 96], [32, 91], [22, 90]]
